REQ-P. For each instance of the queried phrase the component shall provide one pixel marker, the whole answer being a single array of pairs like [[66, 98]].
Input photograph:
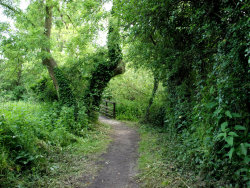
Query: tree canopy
[[197, 53]]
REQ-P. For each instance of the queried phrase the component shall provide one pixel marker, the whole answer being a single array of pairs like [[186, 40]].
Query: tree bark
[[48, 61], [60, 82]]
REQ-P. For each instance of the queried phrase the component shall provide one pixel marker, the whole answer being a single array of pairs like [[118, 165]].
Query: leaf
[[230, 140], [155, 7], [228, 113], [216, 112], [211, 91], [236, 115], [246, 159], [241, 170], [233, 134], [247, 145], [243, 149], [223, 126], [211, 105], [165, 183], [222, 135], [230, 153], [239, 128]]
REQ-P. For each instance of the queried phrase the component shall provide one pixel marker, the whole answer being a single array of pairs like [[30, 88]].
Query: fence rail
[[107, 108]]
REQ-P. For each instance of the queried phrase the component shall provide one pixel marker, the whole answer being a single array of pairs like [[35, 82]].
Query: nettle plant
[[229, 136], [234, 138]]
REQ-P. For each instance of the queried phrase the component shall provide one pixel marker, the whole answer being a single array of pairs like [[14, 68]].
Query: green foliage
[[77, 72], [158, 166], [18, 92], [200, 52], [66, 96], [157, 115], [29, 132], [44, 90], [104, 70], [131, 91], [129, 110], [114, 49]]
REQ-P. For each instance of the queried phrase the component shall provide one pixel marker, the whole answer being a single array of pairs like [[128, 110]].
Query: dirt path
[[120, 161]]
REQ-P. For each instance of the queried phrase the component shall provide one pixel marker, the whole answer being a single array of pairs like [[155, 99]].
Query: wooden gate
[[107, 108]]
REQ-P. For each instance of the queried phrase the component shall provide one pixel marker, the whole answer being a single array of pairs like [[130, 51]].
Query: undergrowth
[[159, 165], [40, 141]]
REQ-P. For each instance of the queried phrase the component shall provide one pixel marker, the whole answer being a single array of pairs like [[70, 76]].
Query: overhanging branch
[[16, 11], [10, 7]]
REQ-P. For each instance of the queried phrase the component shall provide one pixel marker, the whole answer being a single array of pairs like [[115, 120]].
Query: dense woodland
[[180, 68]]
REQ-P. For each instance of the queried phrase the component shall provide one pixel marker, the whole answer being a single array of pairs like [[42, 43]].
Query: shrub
[[157, 115], [44, 90]]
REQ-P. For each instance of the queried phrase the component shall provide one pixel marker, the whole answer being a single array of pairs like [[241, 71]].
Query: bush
[[157, 115], [44, 90], [18, 92], [130, 110]]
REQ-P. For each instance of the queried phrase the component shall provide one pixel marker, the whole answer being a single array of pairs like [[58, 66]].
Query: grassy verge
[[157, 165]]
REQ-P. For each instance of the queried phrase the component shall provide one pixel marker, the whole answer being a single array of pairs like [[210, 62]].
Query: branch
[[17, 11], [68, 18], [10, 7], [62, 17]]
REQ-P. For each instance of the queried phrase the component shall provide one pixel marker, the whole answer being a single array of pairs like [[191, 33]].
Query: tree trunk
[[51, 64], [48, 61], [60, 82], [151, 100]]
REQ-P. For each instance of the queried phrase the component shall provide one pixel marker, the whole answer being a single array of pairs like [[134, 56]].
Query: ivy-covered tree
[[106, 69]]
